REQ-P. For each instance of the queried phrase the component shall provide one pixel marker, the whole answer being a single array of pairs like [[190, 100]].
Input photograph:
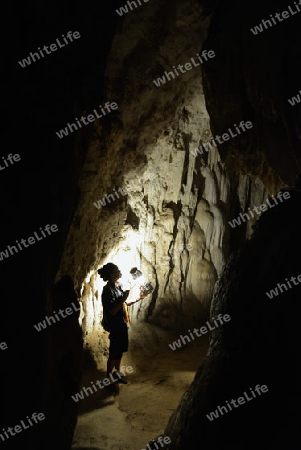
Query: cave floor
[[140, 410]]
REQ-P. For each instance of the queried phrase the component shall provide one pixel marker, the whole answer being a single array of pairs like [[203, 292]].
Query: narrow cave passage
[[147, 201], [164, 136], [137, 412], [159, 196]]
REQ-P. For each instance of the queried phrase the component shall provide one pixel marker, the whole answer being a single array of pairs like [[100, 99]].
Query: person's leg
[[118, 345], [112, 353], [117, 364], [123, 346], [110, 366], [121, 377]]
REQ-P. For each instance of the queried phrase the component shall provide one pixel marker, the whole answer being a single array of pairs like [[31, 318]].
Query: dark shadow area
[[43, 189], [88, 448], [251, 80], [100, 397], [260, 345]]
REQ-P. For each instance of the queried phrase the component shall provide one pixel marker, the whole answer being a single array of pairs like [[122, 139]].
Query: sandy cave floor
[[140, 410]]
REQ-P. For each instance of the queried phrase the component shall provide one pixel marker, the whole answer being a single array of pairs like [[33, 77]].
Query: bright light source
[[125, 255]]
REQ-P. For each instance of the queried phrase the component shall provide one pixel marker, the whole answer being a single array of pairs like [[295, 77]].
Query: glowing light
[[125, 255]]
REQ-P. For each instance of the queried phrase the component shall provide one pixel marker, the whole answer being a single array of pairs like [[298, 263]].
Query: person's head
[[109, 272]]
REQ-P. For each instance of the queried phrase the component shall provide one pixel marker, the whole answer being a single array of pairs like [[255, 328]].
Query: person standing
[[114, 313]]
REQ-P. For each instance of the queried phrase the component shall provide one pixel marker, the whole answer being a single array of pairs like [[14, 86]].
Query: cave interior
[[193, 121]]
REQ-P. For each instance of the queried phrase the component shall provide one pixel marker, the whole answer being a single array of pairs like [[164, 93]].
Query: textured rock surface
[[259, 345], [252, 77], [188, 202], [173, 220]]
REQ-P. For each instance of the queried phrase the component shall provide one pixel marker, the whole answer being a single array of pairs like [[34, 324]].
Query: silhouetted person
[[113, 298]]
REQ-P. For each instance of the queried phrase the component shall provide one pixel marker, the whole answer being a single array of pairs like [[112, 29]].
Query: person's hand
[[142, 294]]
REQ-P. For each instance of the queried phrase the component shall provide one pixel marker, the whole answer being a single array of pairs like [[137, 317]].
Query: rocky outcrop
[[173, 219], [149, 197], [252, 78], [258, 346]]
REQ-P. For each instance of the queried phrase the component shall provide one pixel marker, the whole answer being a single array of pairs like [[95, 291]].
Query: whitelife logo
[[160, 440], [90, 119], [241, 401], [262, 208], [31, 240], [242, 127], [203, 57], [124, 9], [132, 186], [53, 48], [280, 17], [295, 100], [106, 382], [203, 330], [42, 325], [11, 158], [113, 197], [3, 345], [274, 292], [18, 428]]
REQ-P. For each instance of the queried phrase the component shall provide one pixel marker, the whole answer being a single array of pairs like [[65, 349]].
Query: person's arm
[[119, 304], [142, 295]]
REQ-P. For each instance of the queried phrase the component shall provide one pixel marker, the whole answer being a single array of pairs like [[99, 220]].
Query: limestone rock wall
[[49, 184], [259, 345], [171, 215], [253, 77]]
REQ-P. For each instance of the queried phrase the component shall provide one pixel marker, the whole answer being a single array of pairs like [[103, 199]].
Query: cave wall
[[173, 219], [260, 345], [42, 188], [48, 184], [254, 78]]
